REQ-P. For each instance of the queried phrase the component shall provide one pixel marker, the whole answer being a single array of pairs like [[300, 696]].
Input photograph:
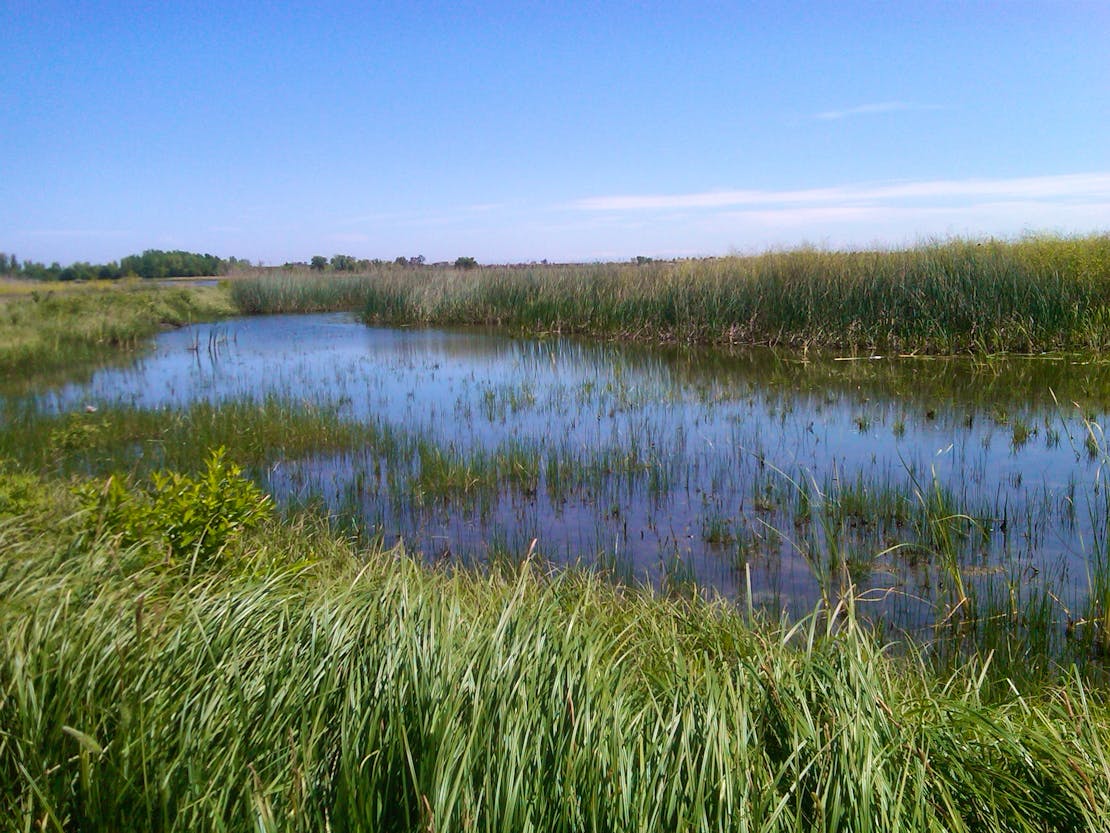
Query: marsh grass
[[64, 328], [359, 690], [305, 292], [990, 296], [125, 439]]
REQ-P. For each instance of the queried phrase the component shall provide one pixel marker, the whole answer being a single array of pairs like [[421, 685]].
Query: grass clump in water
[[124, 439]]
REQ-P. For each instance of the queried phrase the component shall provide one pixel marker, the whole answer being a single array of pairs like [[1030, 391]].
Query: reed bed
[[305, 292], [988, 296], [359, 690]]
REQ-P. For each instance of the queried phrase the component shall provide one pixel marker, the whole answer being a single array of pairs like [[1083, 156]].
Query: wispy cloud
[[1088, 186], [873, 109]]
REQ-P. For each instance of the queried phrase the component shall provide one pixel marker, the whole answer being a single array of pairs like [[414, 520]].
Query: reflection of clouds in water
[[720, 425]]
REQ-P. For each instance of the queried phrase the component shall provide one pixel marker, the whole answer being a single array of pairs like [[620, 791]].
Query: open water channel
[[761, 472]]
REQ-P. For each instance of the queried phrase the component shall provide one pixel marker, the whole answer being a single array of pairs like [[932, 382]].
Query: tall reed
[[1028, 295]]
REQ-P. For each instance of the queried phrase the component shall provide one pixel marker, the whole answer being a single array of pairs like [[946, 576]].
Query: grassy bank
[[300, 684], [62, 327], [983, 296]]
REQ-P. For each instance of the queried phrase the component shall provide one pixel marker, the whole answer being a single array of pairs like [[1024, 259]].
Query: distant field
[[16, 288]]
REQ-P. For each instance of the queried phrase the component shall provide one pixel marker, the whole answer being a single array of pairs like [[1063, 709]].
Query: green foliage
[[319, 263], [154, 263], [23, 494], [189, 518], [466, 263]]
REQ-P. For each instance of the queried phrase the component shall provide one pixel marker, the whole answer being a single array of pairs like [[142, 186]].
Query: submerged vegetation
[[205, 624], [989, 296]]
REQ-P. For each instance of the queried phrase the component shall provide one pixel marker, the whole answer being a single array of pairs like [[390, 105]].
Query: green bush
[[186, 517], [22, 494]]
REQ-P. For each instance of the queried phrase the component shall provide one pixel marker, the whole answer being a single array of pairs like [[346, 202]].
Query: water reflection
[[779, 472]]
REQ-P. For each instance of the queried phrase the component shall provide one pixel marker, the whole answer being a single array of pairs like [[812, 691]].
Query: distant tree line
[[153, 263], [349, 263]]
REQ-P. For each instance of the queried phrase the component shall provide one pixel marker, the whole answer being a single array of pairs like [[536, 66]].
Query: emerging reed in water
[[1031, 295]]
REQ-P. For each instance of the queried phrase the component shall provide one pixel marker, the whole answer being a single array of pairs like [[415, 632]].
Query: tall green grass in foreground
[[308, 686], [1034, 294]]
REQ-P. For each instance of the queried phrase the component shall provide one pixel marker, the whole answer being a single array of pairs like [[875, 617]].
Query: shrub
[[186, 517], [23, 494]]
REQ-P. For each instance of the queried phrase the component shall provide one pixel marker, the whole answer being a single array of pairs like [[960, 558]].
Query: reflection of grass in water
[[717, 530], [1021, 433], [943, 556]]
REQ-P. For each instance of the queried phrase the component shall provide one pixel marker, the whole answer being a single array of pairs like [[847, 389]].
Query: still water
[[761, 471]]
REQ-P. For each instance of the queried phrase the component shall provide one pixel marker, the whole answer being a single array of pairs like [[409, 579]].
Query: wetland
[[775, 543], [922, 485]]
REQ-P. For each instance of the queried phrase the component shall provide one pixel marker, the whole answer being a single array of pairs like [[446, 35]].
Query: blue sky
[[566, 131]]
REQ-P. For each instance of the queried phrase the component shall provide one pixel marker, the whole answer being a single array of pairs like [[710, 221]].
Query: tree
[[154, 263], [319, 263], [343, 263], [466, 263]]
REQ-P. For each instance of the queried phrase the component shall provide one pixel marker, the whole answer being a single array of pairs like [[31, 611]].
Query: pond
[[764, 476]]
